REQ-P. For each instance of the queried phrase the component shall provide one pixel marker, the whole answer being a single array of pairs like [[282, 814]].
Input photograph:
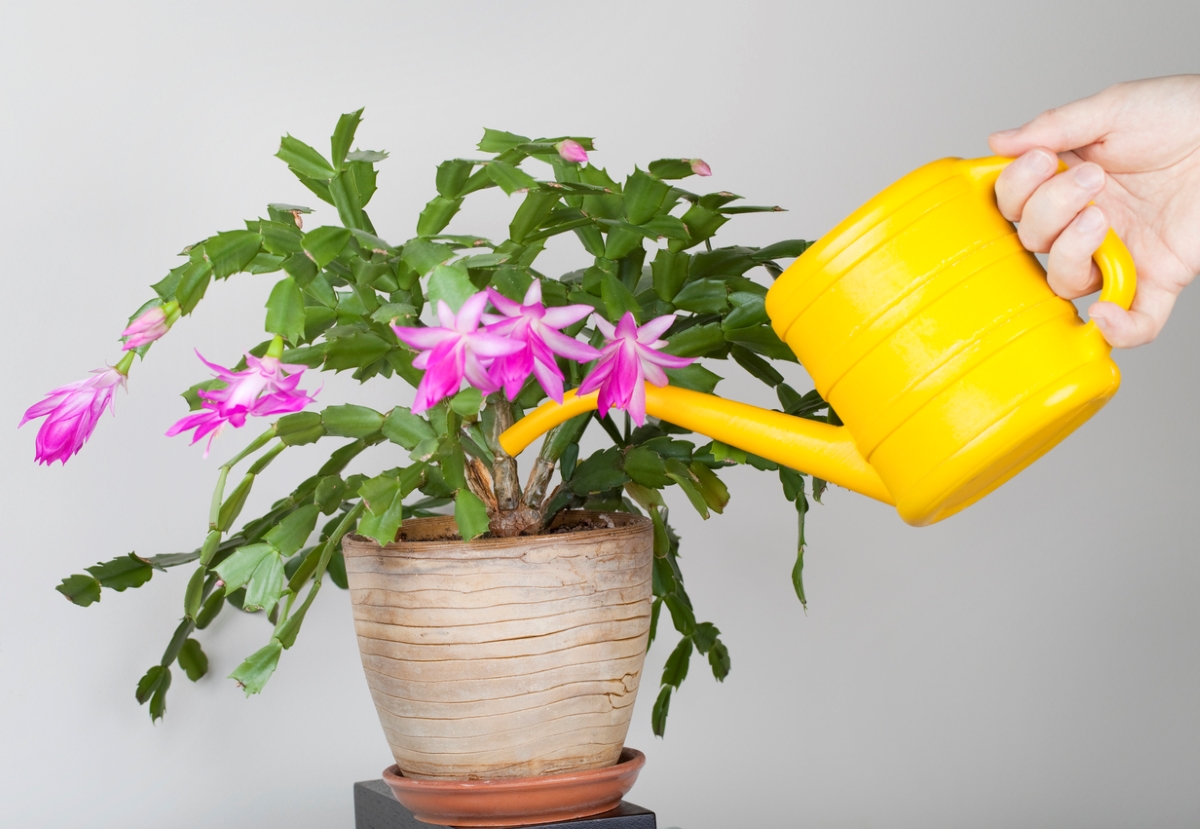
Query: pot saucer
[[517, 801]]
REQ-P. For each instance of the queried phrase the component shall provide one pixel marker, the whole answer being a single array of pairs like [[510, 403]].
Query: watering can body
[[934, 335]]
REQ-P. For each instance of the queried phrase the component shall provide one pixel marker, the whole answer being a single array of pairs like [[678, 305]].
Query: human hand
[[1133, 150]]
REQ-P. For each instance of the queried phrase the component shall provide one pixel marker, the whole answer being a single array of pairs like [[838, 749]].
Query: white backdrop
[[1032, 662]]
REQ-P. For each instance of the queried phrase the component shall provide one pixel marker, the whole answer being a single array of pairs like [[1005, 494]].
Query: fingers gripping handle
[[1112, 257]]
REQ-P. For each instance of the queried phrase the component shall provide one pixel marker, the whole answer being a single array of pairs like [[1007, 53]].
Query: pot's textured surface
[[504, 657]]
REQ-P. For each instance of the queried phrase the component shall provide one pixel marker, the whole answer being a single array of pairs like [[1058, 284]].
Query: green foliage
[[647, 250]]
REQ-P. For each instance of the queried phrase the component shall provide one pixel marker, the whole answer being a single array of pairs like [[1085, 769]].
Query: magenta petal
[[470, 313], [637, 404], [489, 345], [659, 358], [568, 347], [533, 296], [596, 377], [423, 339], [606, 328], [654, 329], [654, 374], [565, 315], [550, 381], [626, 327], [503, 304]]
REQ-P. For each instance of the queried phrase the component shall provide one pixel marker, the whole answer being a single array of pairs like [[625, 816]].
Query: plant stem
[[504, 467], [556, 442]]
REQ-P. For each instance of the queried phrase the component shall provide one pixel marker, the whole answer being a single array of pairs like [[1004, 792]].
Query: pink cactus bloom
[[262, 390], [456, 350], [572, 151], [71, 414], [700, 168], [145, 329], [628, 361], [536, 327]]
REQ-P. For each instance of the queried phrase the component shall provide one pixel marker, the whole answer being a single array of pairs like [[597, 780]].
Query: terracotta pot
[[504, 657]]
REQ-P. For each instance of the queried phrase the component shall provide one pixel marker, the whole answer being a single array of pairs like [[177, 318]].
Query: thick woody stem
[[504, 468]]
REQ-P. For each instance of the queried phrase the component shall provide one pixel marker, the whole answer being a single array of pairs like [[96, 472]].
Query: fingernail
[[1005, 133], [1090, 221], [1089, 176], [1042, 162], [1101, 323]]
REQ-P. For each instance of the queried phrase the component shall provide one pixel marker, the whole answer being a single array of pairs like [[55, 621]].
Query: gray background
[[1032, 662]]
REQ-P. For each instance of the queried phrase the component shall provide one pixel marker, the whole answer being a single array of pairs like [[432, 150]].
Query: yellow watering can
[[934, 335]]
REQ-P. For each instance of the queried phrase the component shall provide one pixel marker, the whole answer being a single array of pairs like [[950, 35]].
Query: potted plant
[[438, 551]]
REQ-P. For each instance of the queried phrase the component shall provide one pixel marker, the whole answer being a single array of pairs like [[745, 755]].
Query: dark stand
[[375, 808]]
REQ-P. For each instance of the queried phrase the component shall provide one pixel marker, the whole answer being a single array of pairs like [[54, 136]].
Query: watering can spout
[[818, 449]]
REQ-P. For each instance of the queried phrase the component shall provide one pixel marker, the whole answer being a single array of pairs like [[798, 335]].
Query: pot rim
[[626, 524]]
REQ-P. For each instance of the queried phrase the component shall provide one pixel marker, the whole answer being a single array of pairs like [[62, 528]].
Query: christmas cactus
[[482, 335]]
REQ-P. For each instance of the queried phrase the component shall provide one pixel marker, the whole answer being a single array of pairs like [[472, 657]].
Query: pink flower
[[700, 168], [458, 349], [629, 360], [263, 389], [571, 150], [71, 413], [536, 327], [145, 329]]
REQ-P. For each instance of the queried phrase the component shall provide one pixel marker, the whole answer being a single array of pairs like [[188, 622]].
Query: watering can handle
[[1112, 257]]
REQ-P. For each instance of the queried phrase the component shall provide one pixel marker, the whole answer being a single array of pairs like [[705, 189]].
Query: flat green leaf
[[676, 669], [718, 659], [510, 179], [662, 706], [252, 675], [236, 570], [705, 636], [367, 156], [436, 215], [80, 589], [285, 311], [304, 160], [681, 614], [193, 660], [232, 251], [752, 208], [704, 296], [350, 421], [343, 137], [324, 244], [265, 585], [646, 467], [290, 534], [122, 572], [643, 197], [280, 238], [600, 472], [355, 351], [712, 489], [622, 240], [618, 299], [384, 513], [452, 177], [671, 168], [782, 250], [193, 282], [467, 402], [665, 227], [470, 515], [696, 341], [211, 608], [749, 309], [497, 141], [423, 255], [534, 209], [150, 682], [798, 578], [695, 377], [763, 340], [451, 284], [669, 270], [194, 592], [299, 428], [406, 429], [682, 476]]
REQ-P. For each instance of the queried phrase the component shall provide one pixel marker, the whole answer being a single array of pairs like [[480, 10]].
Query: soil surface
[[566, 523]]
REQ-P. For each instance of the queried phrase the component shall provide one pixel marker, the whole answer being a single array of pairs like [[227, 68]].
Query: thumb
[[1061, 129]]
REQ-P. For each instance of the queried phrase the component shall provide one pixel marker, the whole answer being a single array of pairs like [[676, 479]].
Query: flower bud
[[700, 168], [571, 151]]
